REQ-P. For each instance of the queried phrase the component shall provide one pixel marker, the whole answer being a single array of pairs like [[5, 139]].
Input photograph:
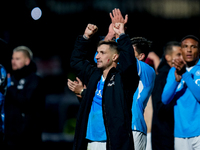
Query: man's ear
[[115, 57], [168, 58], [141, 56], [27, 61]]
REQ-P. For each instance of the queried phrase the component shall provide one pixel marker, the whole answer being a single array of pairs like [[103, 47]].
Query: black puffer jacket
[[119, 87], [24, 106]]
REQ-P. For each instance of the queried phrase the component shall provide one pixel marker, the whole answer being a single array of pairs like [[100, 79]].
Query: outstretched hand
[[90, 30], [116, 17]]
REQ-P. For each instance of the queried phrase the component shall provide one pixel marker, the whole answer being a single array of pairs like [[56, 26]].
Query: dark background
[[52, 37]]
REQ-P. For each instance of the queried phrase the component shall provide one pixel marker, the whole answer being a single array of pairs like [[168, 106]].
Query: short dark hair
[[113, 45], [142, 45], [169, 47], [191, 37]]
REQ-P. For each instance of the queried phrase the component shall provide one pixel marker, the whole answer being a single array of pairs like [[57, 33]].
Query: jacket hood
[[25, 71]]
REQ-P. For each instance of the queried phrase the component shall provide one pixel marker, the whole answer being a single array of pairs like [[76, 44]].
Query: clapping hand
[[118, 21], [180, 66], [76, 86]]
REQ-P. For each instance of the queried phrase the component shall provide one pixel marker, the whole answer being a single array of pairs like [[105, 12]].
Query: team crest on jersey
[[197, 73], [21, 84]]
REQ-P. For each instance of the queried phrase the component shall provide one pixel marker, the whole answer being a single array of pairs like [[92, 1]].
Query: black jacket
[[163, 115], [119, 87], [24, 105]]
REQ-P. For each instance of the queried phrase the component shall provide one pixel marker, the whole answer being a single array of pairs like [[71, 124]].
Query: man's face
[[104, 56], [176, 52], [19, 60], [190, 50]]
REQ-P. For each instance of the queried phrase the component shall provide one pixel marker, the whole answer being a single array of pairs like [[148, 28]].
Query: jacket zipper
[[104, 112]]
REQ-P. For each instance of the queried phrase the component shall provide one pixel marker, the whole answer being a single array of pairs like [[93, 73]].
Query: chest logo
[[111, 84], [197, 82]]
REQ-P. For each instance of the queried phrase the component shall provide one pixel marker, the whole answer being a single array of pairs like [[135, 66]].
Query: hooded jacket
[[119, 87], [24, 105]]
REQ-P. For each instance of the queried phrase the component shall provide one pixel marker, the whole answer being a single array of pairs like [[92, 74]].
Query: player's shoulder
[[146, 68]]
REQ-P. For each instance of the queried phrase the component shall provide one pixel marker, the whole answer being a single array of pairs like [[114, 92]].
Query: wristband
[[81, 91], [85, 37]]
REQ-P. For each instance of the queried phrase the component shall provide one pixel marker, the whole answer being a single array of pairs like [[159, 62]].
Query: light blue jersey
[[96, 128], [141, 95], [186, 95]]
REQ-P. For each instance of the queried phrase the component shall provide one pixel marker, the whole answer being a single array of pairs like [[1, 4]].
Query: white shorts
[[149, 146], [187, 143], [96, 146], [140, 140]]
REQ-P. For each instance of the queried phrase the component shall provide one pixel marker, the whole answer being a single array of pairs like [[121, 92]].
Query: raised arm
[[127, 61], [127, 56], [78, 58]]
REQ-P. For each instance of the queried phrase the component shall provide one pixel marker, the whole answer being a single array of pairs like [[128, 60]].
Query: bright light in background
[[36, 13]]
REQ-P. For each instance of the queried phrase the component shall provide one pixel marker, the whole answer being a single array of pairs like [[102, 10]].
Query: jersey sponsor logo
[[111, 84], [197, 82], [99, 93]]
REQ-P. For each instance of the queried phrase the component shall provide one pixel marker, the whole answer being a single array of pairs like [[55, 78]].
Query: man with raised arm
[[104, 117]]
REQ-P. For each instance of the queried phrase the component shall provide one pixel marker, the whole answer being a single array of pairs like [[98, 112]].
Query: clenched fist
[[90, 30]]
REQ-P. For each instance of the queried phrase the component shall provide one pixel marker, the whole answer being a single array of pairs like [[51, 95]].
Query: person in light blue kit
[[141, 96], [182, 89]]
